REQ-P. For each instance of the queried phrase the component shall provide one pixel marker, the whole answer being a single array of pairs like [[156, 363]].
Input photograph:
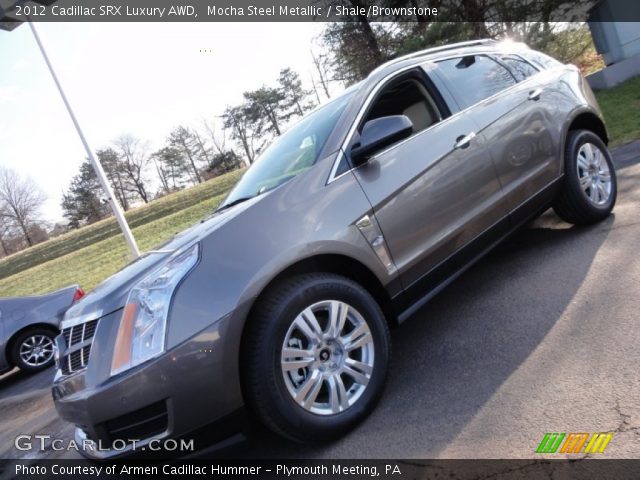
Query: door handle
[[535, 94], [463, 141]]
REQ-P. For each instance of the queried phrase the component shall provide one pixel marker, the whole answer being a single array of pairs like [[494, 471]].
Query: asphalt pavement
[[542, 335]]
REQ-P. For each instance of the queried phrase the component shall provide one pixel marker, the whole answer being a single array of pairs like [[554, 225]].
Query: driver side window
[[404, 96], [407, 97]]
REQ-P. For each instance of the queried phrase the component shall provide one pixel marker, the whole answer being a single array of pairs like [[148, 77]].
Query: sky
[[137, 78]]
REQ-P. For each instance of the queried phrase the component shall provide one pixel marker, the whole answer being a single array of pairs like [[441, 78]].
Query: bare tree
[[5, 233], [321, 62], [218, 138], [236, 120], [172, 168], [223, 159], [20, 201], [134, 160], [183, 140], [263, 108], [116, 174], [315, 89], [205, 152]]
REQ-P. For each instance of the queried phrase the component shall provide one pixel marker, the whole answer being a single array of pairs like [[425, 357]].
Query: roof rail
[[443, 48]]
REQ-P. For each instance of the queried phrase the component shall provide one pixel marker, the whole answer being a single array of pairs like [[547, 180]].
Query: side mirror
[[379, 133]]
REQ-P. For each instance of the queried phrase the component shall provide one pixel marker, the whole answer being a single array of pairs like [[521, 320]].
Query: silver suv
[[280, 303]]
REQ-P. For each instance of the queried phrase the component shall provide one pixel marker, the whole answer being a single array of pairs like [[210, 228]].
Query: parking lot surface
[[540, 336]]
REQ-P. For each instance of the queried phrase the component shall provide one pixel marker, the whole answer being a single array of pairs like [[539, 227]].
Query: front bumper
[[185, 388]]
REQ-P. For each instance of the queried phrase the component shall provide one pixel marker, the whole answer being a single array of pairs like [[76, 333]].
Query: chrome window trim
[[356, 121], [365, 105]]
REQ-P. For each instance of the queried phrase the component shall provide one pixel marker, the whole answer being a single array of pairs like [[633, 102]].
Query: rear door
[[435, 191], [509, 105]]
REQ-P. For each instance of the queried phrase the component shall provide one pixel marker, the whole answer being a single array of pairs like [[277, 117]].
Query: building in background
[[617, 42]]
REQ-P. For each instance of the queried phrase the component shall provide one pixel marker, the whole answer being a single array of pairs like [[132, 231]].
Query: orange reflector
[[122, 348]]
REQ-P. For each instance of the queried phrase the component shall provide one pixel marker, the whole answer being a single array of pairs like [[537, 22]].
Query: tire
[[586, 197], [37, 340], [270, 383]]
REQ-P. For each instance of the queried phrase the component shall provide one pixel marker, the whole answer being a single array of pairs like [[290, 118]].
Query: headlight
[[141, 335]]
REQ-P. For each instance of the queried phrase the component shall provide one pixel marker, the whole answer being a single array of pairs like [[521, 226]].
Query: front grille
[[139, 424], [78, 341]]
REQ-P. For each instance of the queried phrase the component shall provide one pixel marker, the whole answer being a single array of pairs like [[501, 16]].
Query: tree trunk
[[123, 194], [315, 89], [272, 118], [25, 231], [193, 166], [323, 80], [245, 142], [142, 192], [162, 176]]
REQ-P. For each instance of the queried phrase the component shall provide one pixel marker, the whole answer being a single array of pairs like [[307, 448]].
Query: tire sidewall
[[327, 426], [575, 142], [15, 350]]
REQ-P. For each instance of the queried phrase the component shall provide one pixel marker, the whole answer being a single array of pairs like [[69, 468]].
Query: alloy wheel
[[327, 357], [594, 174], [36, 350]]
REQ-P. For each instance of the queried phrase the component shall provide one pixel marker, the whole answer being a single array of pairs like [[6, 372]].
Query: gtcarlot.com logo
[[47, 442], [574, 442]]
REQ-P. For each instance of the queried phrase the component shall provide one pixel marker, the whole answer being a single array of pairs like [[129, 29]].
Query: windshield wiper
[[235, 202]]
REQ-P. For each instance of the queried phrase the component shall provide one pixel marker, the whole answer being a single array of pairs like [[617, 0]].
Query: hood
[[111, 294]]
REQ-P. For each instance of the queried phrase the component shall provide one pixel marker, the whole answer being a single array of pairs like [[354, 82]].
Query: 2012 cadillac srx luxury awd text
[[279, 304]]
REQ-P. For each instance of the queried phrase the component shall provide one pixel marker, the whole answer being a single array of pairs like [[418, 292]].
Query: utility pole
[[97, 166]]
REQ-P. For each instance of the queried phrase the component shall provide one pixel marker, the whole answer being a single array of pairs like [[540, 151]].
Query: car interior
[[407, 96]]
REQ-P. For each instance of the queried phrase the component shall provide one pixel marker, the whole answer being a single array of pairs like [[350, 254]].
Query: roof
[[465, 48]]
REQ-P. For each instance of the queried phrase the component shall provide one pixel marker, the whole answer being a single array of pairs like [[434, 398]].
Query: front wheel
[[315, 357], [589, 187]]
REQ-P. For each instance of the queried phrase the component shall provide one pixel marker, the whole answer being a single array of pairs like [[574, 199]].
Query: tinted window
[[475, 77], [520, 69]]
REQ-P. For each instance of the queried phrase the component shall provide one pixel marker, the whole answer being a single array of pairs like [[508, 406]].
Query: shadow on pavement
[[453, 354]]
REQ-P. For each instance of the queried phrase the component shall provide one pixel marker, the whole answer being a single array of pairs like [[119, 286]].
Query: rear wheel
[[33, 350], [589, 187], [315, 357]]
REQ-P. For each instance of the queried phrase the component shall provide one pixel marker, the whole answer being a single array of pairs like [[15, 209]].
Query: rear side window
[[519, 68], [475, 77], [540, 59]]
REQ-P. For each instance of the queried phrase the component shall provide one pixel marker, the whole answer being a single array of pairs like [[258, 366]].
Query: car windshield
[[290, 154]]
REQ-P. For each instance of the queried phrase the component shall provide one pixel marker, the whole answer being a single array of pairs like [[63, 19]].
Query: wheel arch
[[11, 342], [338, 264], [588, 120]]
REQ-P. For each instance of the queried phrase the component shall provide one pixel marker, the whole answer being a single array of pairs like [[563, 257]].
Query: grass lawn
[[621, 108], [92, 253]]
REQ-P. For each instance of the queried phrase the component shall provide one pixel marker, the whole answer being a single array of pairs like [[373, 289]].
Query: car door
[[508, 105], [434, 192]]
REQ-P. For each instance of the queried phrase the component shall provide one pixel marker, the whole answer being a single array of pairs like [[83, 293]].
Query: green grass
[[92, 253], [621, 108]]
